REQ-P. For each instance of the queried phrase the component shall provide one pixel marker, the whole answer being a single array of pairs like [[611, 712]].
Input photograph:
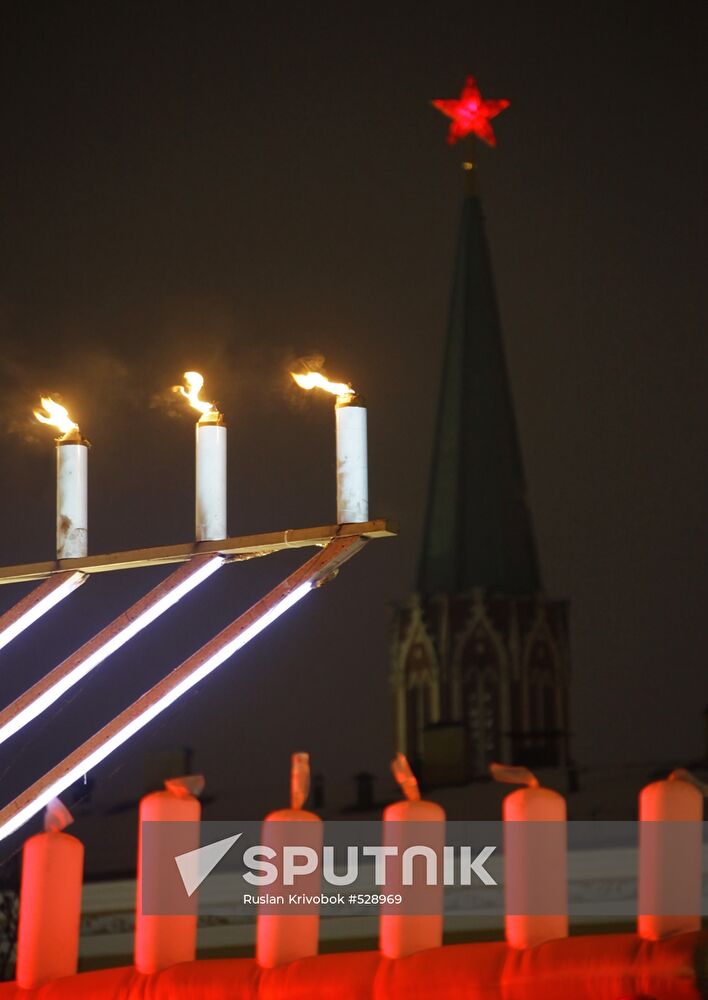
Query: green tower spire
[[478, 529]]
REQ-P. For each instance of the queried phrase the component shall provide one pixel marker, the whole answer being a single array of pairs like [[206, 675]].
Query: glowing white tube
[[72, 498], [37, 603], [134, 718], [352, 461], [210, 464], [58, 681]]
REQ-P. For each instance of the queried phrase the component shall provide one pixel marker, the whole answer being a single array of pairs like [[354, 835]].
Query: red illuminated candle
[[285, 937], [164, 940], [670, 857], [50, 902], [535, 860], [408, 823]]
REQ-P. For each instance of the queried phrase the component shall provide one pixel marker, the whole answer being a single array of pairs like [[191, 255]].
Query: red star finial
[[470, 114]]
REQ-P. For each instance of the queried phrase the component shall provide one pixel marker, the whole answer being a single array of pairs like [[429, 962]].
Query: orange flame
[[404, 776], [194, 385], [316, 380], [57, 416]]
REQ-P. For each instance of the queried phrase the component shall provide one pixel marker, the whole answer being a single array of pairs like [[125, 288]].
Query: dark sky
[[230, 186]]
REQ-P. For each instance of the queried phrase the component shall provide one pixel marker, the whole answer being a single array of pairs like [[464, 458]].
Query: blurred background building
[[480, 659]]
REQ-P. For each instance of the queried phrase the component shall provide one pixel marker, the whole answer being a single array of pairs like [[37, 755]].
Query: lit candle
[[72, 480], [164, 940], [670, 857], [210, 463], [351, 439], [535, 860], [283, 937], [409, 823], [50, 902]]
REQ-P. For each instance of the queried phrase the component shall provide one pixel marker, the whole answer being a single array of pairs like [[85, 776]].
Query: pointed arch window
[[481, 698], [419, 679], [542, 690]]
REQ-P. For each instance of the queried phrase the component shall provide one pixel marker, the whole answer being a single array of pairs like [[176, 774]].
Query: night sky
[[229, 187]]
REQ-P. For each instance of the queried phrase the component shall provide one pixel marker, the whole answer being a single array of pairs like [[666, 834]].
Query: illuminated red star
[[470, 114]]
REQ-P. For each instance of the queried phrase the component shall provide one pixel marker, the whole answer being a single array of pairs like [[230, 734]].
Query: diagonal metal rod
[[35, 604], [58, 681], [199, 665], [240, 546]]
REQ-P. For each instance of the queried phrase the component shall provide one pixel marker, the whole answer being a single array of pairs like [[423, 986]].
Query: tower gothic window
[[414, 722], [541, 690], [418, 680], [542, 702], [481, 699], [482, 704]]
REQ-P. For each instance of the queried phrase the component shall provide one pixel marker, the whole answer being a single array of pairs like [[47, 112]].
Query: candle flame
[[299, 779], [194, 385], [57, 416], [316, 380], [510, 775], [404, 776]]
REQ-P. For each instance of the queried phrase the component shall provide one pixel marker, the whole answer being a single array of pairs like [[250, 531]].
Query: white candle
[[72, 480], [210, 462], [352, 460], [352, 449], [72, 498], [210, 481]]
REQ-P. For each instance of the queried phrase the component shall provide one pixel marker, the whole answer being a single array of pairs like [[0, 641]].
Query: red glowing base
[[601, 967]]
